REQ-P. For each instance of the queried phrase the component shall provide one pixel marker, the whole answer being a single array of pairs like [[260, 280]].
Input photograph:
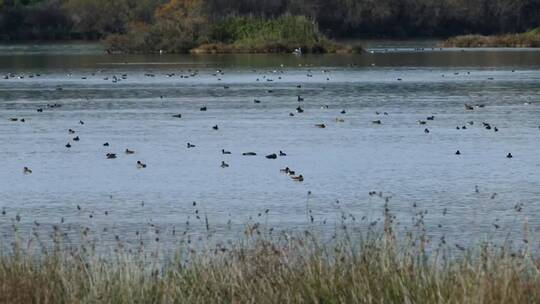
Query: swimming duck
[[299, 98], [177, 116], [68, 145], [281, 153], [81, 122], [292, 114], [27, 171], [256, 101], [468, 107], [299, 110], [189, 145], [140, 164], [377, 122], [422, 122], [111, 155], [426, 130], [128, 151], [458, 153], [271, 156], [40, 110], [286, 170], [225, 152], [298, 178], [106, 144], [249, 154], [343, 112], [203, 109], [224, 164], [322, 126], [509, 155], [215, 127], [76, 138], [430, 118], [71, 131]]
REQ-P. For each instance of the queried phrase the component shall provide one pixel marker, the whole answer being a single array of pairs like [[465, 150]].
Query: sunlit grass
[[527, 39]]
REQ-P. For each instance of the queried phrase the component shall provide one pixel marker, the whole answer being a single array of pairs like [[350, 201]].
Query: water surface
[[465, 196]]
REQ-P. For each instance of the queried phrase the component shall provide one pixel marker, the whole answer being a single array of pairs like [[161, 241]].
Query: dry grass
[[528, 39], [348, 267]]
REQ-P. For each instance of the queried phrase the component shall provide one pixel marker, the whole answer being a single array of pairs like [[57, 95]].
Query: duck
[[68, 145], [81, 122], [106, 144], [343, 112], [76, 138], [27, 170], [340, 119], [224, 164], [203, 108], [299, 98], [422, 122], [509, 155], [111, 155], [177, 116], [299, 109], [286, 170], [298, 178], [430, 118], [189, 145], [377, 122], [249, 154], [225, 152], [322, 126], [426, 130], [71, 131], [40, 110], [468, 107], [292, 114], [271, 156], [458, 153], [256, 101], [140, 164], [128, 151], [215, 127], [281, 153]]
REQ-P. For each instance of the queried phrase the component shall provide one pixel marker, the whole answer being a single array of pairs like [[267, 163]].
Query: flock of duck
[[298, 110]]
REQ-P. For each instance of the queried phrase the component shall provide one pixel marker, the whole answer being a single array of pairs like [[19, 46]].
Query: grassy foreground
[[261, 267], [527, 39]]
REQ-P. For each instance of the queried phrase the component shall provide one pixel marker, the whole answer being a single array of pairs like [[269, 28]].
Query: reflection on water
[[342, 162]]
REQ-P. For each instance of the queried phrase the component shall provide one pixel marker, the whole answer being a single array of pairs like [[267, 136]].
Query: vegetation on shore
[[190, 31], [96, 19], [183, 26], [527, 39], [369, 265]]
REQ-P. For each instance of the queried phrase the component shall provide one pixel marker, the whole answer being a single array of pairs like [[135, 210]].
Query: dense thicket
[[92, 19]]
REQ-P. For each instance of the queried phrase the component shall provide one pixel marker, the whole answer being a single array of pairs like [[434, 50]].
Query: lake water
[[466, 196]]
